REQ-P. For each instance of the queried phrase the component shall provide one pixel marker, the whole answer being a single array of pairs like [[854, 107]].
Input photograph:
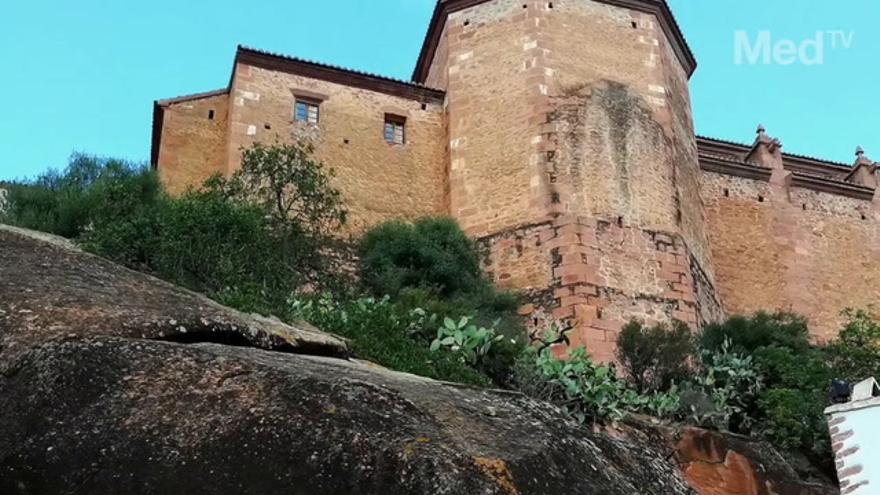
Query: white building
[[855, 439]]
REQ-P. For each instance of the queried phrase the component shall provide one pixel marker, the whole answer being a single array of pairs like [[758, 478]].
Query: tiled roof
[[244, 50], [195, 96]]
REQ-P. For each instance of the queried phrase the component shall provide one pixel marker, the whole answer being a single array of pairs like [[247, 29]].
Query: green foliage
[[746, 334], [794, 420], [489, 308], [729, 384], [203, 240], [655, 358], [303, 209], [383, 333], [431, 264], [465, 339], [583, 389], [432, 254], [855, 355], [89, 190], [286, 181]]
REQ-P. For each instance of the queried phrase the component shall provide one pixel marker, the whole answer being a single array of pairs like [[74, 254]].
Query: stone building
[[560, 135]]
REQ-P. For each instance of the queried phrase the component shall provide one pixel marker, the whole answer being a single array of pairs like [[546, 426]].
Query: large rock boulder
[[114, 382], [715, 463]]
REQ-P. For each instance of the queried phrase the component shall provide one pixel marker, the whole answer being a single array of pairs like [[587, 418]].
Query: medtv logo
[[763, 49]]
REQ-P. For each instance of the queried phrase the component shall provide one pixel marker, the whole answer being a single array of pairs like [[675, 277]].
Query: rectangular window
[[395, 129], [306, 110]]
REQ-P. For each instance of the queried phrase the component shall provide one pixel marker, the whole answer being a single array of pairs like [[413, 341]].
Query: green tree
[[855, 355], [70, 201], [305, 210]]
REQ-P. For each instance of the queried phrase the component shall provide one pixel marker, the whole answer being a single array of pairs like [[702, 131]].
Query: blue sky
[[81, 76]]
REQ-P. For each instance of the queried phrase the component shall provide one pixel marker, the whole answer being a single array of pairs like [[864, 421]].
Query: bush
[[795, 375], [203, 240], [583, 389], [69, 202], [746, 334], [722, 395], [249, 241], [855, 355], [794, 420], [655, 358], [383, 333], [433, 265], [465, 339], [432, 254]]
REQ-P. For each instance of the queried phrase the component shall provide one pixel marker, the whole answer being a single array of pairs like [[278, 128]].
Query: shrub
[[655, 358], [794, 420], [465, 339], [488, 308], [68, 202], [722, 395], [782, 367], [855, 355], [381, 332], [788, 410], [432, 254], [746, 334], [214, 244], [583, 389], [289, 183], [431, 264]]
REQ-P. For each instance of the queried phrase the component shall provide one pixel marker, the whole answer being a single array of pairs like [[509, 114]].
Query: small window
[[306, 110], [395, 129]]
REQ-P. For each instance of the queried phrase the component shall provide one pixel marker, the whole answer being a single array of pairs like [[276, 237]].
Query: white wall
[[855, 438]]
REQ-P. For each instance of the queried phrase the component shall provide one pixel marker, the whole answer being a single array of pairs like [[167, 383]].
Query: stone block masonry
[[597, 275], [559, 134]]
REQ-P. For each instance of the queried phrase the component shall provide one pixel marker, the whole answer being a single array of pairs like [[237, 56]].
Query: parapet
[[765, 155]]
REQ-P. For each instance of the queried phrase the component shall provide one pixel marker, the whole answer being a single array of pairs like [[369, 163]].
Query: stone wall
[[378, 180], [792, 248], [581, 176], [193, 143]]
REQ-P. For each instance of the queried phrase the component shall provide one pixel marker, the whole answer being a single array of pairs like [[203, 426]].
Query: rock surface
[[114, 382], [50, 290], [716, 463]]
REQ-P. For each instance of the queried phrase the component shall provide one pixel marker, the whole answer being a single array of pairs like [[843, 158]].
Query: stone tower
[[572, 157]]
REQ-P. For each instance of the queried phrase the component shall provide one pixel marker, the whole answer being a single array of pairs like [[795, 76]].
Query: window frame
[[397, 124], [309, 104]]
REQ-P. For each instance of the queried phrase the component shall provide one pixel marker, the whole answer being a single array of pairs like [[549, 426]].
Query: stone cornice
[[658, 8], [799, 163], [717, 165]]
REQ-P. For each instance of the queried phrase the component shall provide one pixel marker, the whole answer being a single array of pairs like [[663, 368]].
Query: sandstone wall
[[193, 145], [803, 250], [378, 180], [573, 159]]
